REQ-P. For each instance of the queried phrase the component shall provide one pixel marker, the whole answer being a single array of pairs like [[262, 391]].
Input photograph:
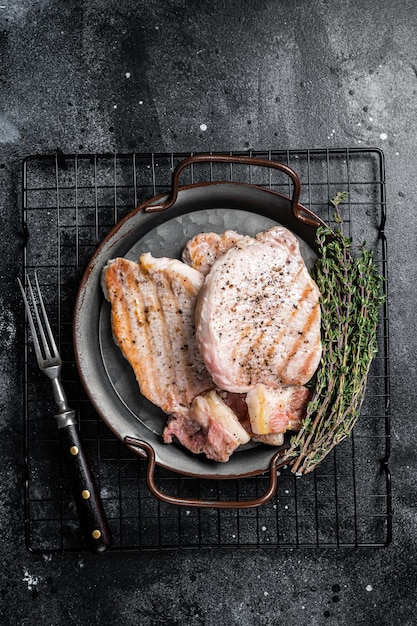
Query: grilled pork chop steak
[[258, 315], [152, 314]]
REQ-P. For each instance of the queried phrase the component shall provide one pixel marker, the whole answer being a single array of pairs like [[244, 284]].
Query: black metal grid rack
[[69, 203]]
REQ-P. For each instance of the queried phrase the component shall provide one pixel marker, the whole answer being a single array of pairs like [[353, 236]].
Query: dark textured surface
[[102, 76]]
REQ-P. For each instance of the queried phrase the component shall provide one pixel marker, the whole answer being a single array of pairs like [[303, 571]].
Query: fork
[[93, 519]]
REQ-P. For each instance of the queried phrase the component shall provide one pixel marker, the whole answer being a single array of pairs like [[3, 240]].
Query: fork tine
[[46, 323], [38, 337], [29, 314], [38, 319]]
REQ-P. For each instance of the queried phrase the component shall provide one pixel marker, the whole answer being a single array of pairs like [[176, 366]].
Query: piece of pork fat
[[258, 315], [203, 249], [267, 414], [152, 315], [210, 427], [237, 402], [276, 410]]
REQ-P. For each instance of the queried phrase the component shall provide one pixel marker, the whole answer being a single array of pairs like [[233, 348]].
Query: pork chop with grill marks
[[258, 315], [152, 315]]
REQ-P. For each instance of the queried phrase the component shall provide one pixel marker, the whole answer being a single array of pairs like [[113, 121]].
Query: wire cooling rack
[[69, 203]]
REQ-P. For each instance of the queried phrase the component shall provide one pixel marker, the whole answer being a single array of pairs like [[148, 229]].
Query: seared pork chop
[[258, 315], [152, 314]]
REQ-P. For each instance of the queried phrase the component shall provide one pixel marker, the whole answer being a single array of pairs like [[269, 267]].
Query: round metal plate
[[106, 375]]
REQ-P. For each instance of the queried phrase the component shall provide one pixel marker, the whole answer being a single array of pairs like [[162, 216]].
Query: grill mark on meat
[[159, 341], [177, 302], [277, 339], [138, 326], [177, 295], [250, 356], [306, 326], [304, 333], [152, 314], [267, 287], [172, 327]]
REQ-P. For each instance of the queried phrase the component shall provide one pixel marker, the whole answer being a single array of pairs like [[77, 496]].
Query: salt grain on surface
[[31, 581], [7, 326]]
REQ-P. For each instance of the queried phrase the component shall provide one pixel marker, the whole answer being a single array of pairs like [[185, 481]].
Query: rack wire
[[69, 204]]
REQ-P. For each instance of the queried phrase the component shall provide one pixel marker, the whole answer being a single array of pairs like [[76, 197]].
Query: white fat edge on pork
[[223, 415], [149, 262]]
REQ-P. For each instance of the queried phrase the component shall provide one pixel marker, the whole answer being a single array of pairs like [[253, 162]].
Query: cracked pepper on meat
[[223, 341]]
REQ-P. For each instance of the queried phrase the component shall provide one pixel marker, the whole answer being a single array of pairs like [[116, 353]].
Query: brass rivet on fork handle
[[93, 519]]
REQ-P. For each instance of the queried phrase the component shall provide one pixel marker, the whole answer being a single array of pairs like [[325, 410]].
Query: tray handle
[[300, 212], [149, 452]]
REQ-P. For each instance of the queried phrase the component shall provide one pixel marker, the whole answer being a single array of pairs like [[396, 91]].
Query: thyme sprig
[[351, 297]]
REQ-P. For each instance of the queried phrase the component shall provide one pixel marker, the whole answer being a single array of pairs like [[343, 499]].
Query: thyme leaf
[[338, 198], [351, 297]]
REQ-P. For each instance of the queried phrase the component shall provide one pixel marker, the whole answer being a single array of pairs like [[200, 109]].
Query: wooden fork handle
[[87, 498]]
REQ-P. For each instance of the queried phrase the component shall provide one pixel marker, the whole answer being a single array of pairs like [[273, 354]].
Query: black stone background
[[262, 74]]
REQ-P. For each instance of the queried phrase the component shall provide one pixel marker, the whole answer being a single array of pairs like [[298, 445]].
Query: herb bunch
[[351, 297]]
